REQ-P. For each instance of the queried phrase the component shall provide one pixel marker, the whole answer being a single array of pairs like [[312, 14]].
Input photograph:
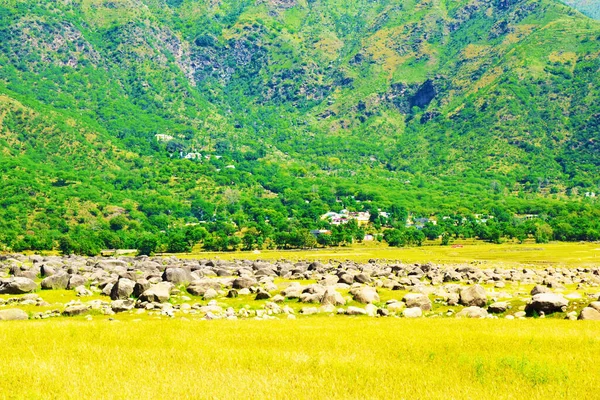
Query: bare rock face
[[547, 303], [17, 285], [417, 300], [473, 296]]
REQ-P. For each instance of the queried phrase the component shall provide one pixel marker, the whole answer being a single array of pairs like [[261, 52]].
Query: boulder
[[77, 309], [157, 293], [413, 312], [362, 278], [547, 303], [210, 294], [537, 289], [595, 305], [472, 312], [17, 285], [356, 311], [199, 287], [244, 282], [13, 314], [473, 296], [177, 276], [122, 305], [82, 291], [498, 307], [589, 313], [365, 295], [262, 295], [122, 290], [58, 281], [76, 280], [417, 300], [332, 297], [140, 287]]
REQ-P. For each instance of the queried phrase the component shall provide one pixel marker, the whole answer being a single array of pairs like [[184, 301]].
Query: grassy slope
[[313, 358]]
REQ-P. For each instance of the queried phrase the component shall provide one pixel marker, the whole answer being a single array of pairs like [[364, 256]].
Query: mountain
[[590, 8], [130, 119]]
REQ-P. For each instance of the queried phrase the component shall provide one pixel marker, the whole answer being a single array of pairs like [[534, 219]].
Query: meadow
[[312, 358], [568, 254]]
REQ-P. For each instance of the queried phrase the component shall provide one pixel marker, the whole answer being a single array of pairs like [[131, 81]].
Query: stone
[[498, 307], [473, 296], [547, 303], [589, 313], [199, 287], [122, 290], [157, 293], [244, 282], [333, 297], [309, 310], [58, 281], [13, 314], [76, 280], [362, 278], [365, 295], [122, 305], [140, 287], [76, 309], [472, 312], [177, 276], [396, 306], [210, 294], [537, 289], [356, 311], [413, 312], [417, 300], [17, 285], [595, 305], [82, 291], [262, 295]]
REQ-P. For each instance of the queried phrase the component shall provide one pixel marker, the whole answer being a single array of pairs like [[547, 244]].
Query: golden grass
[[508, 254], [312, 358]]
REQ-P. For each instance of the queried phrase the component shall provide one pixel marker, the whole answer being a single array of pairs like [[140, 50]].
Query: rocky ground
[[37, 287]]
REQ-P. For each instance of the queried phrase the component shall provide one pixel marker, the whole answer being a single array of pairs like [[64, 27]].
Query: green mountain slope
[[286, 109]]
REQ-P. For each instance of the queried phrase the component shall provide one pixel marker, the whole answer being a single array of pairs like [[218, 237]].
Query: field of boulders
[[41, 287]]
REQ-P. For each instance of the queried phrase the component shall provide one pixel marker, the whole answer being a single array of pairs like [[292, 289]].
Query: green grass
[[508, 254], [311, 358]]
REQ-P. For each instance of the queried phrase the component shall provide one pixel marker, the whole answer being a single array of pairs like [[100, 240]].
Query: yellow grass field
[[311, 358], [542, 255]]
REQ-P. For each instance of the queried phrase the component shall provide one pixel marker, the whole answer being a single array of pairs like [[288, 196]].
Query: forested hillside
[[162, 124]]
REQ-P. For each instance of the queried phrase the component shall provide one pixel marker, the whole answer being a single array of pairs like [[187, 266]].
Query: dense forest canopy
[[159, 125]]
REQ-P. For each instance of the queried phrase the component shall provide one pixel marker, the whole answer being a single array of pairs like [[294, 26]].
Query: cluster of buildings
[[344, 216]]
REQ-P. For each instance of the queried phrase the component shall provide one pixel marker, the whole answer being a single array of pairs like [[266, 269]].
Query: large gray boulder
[[589, 313], [547, 303], [177, 276], [122, 305], [473, 296], [17, 285], [140, 287], [122, 290], [417, 300], [58, 281], [76, 280], [244, 282], [365, 295], [472, 312], [537, 289], [332, 297], [13, 314], [498, 307], [199, 287], [157, 293], [413, 312], [76, 309]]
